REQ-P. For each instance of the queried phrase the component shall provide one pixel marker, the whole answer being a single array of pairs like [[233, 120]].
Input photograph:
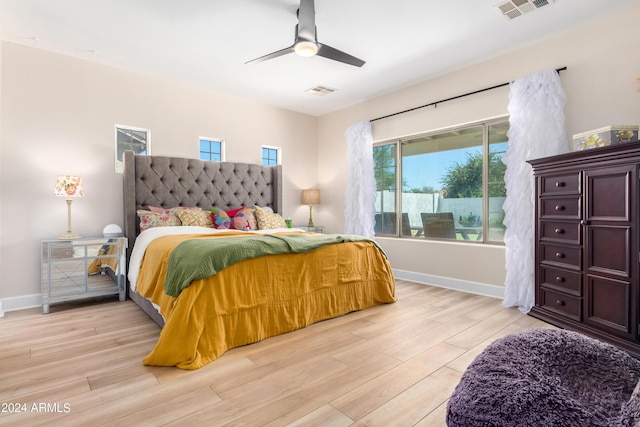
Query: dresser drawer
[[560, 303], [560, 207], [568, 183], [561, 280], [567, 256], [567, 232]]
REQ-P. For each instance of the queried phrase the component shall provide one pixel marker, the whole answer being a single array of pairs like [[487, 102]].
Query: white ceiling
[[207, 42]]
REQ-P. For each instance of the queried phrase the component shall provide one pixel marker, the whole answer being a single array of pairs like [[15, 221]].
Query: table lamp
[[310, 197], [69, 187]]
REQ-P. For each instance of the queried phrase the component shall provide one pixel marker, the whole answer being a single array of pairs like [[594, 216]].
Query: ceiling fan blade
[[306, 29], [338, 55], [272, 55]]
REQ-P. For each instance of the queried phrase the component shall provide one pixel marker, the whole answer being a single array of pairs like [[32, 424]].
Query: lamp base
[[69, 236], [310, 224]]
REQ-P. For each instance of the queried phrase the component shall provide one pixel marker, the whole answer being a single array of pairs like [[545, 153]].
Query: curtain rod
[[450, 99]]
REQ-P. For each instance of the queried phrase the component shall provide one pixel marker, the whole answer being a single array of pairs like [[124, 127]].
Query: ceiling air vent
[[320, 90], [514, 8]]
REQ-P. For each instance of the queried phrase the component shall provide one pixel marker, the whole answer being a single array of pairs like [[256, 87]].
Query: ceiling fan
[[306, 40]]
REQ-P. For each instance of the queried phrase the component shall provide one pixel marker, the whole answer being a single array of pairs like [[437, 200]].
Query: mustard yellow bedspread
[[259, 298]]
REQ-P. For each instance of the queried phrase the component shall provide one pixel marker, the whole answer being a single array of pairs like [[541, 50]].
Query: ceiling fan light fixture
[[306, 48]]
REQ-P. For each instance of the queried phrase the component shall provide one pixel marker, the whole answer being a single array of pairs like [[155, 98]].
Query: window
[[452, 184], [130, 138], [211, 149], [270, 156]]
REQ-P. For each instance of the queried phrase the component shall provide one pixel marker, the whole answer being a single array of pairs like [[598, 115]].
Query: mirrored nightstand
[[82, 268], [315, 229]]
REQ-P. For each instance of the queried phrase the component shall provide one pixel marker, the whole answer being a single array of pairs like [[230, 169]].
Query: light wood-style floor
[[395, 364]]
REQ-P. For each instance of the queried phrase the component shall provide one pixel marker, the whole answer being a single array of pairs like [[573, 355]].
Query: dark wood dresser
[[586, 233]]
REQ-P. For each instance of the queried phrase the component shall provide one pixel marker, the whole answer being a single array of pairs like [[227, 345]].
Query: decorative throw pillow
[[268, 220], [233, 212], [240, 221], [196, 217], [220, 218], [172, 210], [251, 215], [150, 219], [156, 209]]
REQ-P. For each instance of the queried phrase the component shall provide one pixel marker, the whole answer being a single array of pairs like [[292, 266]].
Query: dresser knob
[[559, 231], [559, 208], [559, 184], [560, 302], [560, 279], [559, 255]]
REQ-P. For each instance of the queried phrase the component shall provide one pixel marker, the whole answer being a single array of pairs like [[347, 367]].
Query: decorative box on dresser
[[586, 232]]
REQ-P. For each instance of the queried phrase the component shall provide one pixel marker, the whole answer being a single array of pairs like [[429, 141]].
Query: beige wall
[[600, 83], [59, 115]]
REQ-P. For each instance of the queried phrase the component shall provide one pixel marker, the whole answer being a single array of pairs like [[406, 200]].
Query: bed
[[309, 278]]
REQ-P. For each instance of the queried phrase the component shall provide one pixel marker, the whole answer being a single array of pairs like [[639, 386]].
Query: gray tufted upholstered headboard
[[171, 181]]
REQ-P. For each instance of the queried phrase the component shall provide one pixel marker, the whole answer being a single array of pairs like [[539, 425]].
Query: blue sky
[[417, 175]]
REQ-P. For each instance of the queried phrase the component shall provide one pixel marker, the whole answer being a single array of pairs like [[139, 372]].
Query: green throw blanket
[[199, 258]]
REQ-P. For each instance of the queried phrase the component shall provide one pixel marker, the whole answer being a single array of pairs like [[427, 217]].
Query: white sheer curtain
[[536, 129], [360, 197]]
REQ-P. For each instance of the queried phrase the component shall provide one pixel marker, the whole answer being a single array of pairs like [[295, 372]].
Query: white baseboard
[[20, 303], [485, 289]]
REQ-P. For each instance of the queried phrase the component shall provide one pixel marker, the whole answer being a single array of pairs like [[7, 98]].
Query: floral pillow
[[268, 220], [196, 217], [156, 209], [150, 219], [220, 218], [172, 210]]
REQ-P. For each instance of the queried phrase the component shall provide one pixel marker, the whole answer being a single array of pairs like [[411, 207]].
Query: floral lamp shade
[[69, 186]]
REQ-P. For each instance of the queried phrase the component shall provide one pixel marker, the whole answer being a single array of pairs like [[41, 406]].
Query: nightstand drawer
[[59, 252]]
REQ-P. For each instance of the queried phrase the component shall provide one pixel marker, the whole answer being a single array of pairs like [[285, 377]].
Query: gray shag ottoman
[[548, 377]]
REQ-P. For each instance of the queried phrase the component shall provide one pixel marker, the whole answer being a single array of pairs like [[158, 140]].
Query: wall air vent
[[320, 90], [514, 8]]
